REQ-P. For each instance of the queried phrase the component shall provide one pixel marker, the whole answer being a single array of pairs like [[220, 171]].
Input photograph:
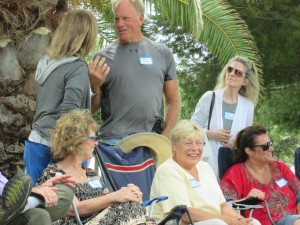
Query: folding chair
[[135, 158], [297, 162], [224, 160], [107, 179], [175, 214]]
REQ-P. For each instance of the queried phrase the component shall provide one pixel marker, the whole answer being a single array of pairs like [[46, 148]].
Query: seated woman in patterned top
[[73, 141], [257, 174]]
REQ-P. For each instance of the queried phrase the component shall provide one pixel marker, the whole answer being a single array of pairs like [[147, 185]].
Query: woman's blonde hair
[[71, 130], [252, 88], [185, 129], [75, 35]]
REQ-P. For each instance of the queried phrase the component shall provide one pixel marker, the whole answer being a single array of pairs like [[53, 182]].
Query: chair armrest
[[245, 207], [248, 201], [154, 200]]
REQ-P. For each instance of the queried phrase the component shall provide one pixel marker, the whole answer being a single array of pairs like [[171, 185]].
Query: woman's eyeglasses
[[265, 147], [93, 138], [237, 73]]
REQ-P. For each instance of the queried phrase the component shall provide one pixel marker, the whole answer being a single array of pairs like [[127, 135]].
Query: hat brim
[[159, 145]]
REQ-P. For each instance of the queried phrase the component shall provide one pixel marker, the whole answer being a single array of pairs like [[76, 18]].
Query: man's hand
[[98, 71]]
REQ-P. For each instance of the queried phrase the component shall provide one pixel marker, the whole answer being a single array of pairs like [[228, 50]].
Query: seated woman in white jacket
[[188, 181], [236, 94]]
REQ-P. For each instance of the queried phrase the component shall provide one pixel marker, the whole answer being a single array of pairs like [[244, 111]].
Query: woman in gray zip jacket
[[62, 77]]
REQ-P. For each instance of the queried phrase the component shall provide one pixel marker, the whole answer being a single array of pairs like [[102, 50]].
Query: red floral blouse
[[282, 194]]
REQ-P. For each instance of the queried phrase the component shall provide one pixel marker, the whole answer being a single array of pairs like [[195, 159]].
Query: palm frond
[[226, 34], [104, 15], [184, 13]]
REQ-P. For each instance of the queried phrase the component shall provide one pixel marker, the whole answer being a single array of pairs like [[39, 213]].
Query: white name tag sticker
[[281, 182], [95, 183], [146, 60], [229, 116], [194, 183]]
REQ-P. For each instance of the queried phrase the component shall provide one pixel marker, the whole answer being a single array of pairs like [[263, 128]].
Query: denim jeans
[[288, 220]]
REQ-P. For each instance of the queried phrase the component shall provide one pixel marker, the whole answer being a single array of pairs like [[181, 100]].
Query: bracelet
[[93, 94]]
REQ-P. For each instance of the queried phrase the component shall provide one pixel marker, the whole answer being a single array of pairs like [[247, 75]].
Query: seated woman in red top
[[257, 174]]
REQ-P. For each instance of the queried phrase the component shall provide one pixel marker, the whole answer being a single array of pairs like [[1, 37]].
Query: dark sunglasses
[[237, 72], [93, 138], [265, 147]]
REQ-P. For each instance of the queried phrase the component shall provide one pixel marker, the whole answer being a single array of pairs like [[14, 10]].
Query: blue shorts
[[288, 220], [36, 157]]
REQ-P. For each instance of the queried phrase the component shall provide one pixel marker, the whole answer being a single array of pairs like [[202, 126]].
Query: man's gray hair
[[137, 4]]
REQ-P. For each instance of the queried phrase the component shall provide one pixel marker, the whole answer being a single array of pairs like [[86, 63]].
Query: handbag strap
[[212, 102]]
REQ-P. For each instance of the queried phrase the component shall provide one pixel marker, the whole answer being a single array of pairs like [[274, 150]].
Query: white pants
[[211, 222], [221, 222]]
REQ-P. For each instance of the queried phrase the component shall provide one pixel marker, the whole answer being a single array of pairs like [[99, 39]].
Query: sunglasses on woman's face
[[93, 138], [265, 147], [237, 73]]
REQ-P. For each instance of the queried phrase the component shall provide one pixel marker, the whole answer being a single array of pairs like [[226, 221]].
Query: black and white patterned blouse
[[117, 213]]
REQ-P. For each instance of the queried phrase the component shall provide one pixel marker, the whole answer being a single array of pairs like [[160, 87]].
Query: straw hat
[[159, 145]]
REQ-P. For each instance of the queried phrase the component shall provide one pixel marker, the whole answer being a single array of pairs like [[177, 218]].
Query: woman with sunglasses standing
[[256, 173], [236, 94]]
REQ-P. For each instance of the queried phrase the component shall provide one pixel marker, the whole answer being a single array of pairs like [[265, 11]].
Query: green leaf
[[183, 13]]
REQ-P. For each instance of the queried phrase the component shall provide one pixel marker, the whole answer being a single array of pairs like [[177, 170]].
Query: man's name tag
[[229, 116], [194, 183], [95, 183], [281, 182], [146, 60]]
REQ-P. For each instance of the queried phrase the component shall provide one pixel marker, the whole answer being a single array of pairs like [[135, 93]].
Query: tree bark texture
[[25, 31]]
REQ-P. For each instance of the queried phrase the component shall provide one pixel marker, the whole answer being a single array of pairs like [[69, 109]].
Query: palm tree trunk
[[25, 31]]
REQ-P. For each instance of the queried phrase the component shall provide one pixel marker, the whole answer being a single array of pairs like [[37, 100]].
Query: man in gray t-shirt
[[132, 93], [142, 72]]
